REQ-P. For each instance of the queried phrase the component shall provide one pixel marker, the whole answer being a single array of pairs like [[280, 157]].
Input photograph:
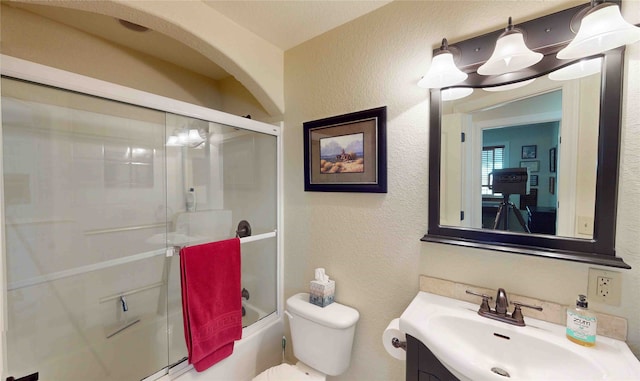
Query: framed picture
[[533, 180], [533, 165], [346, 153], [529, 152], [552, 159], [552, 185]]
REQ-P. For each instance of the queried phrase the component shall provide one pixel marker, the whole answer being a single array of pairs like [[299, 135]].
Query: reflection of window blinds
[[492, 158]]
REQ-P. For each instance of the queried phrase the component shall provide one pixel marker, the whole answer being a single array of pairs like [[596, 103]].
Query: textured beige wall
[[237, 100], [370, 242]]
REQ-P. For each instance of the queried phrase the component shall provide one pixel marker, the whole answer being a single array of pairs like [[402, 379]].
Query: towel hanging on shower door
[[211, 300]]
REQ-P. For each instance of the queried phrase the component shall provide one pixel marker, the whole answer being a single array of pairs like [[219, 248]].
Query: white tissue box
[[322, 293]]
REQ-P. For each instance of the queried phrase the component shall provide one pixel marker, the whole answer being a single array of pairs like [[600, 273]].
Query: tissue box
[[322, 294]]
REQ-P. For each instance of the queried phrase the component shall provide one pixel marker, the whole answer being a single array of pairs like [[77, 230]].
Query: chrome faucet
[[501, 302], [500, 312]]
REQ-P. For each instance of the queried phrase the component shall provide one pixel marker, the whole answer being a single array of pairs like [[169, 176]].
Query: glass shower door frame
[[25, 70]]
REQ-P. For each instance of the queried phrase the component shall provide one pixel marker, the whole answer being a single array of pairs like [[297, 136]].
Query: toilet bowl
[[286, 372], [322, 340]]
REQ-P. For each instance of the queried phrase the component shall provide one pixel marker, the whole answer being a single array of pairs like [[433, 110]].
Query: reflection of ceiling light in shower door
[[172, 141], [185, 138], [194, 137]]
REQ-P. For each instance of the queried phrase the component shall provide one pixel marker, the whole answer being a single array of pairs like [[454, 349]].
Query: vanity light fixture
[[443, 72], [577, 70], [510, 54], [455, 93], [510, 86], [602, 28]]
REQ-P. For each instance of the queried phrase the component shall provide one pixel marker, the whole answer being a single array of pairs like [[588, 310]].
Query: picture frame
[[533, 165], [529, 152], [552, 185], [533, 180], [346, 153], [552, 159]]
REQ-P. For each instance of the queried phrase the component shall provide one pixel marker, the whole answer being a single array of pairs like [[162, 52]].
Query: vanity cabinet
[[422, 365]]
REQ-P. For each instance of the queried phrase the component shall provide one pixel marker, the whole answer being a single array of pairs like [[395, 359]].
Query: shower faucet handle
[[243, 229]]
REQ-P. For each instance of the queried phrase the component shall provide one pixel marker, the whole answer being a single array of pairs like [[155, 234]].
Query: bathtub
[[259, 349]]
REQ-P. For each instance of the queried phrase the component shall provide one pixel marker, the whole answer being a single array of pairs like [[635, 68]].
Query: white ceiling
[[289, 23], [284, 23]]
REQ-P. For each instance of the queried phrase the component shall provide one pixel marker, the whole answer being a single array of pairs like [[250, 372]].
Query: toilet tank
[[322, 337]]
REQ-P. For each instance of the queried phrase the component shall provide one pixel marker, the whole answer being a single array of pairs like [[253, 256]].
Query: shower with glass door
[[98, 196]]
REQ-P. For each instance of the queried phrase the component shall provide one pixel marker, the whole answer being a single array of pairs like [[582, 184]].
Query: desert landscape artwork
[[346, 153], [342, 154]]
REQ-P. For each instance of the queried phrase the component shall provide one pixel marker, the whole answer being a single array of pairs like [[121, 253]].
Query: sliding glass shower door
[[231, 174], [97, 197]]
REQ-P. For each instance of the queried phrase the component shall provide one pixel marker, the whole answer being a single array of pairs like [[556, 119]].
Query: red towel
[[211, 301]]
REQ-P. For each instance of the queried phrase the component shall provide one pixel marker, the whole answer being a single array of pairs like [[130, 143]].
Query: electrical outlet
[[604, 286], [585, 225]]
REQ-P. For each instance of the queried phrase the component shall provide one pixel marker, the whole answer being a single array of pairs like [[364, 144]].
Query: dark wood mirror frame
[[546, 35]]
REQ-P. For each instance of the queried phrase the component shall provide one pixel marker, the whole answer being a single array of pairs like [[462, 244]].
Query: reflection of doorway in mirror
[[451, 163]]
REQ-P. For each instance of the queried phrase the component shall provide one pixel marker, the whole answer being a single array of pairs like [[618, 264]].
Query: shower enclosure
[[95, 209]]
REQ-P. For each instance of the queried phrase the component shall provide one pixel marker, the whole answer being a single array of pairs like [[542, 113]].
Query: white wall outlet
[[604, 286], [585, 225]]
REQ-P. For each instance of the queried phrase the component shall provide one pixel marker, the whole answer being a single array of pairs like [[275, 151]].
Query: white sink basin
[[477, 348]]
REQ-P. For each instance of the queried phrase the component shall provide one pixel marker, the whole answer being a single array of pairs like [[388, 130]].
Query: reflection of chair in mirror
[[502, 215], [541, 219], [509, 181]]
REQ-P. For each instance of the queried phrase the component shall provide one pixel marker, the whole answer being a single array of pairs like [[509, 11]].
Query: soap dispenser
[[581, 323]]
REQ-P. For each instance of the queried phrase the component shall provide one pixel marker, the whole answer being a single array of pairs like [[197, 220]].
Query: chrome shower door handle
[[123, 302]]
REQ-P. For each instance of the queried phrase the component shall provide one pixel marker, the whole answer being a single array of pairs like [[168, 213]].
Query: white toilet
[[322, 340]]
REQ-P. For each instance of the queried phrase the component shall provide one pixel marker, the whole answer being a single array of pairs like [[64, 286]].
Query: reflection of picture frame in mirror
[[533, 165], [552, 159], [533, 180], [529, 152], [552, 185]]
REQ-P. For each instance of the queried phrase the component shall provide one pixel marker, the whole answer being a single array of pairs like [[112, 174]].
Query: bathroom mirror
[[564, 134]]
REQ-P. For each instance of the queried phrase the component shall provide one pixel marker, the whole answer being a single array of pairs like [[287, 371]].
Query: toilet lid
[[286, 372]]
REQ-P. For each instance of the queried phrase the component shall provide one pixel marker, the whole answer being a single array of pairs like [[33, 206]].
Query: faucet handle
[[484, 306], [517, 312], [518, 304]]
